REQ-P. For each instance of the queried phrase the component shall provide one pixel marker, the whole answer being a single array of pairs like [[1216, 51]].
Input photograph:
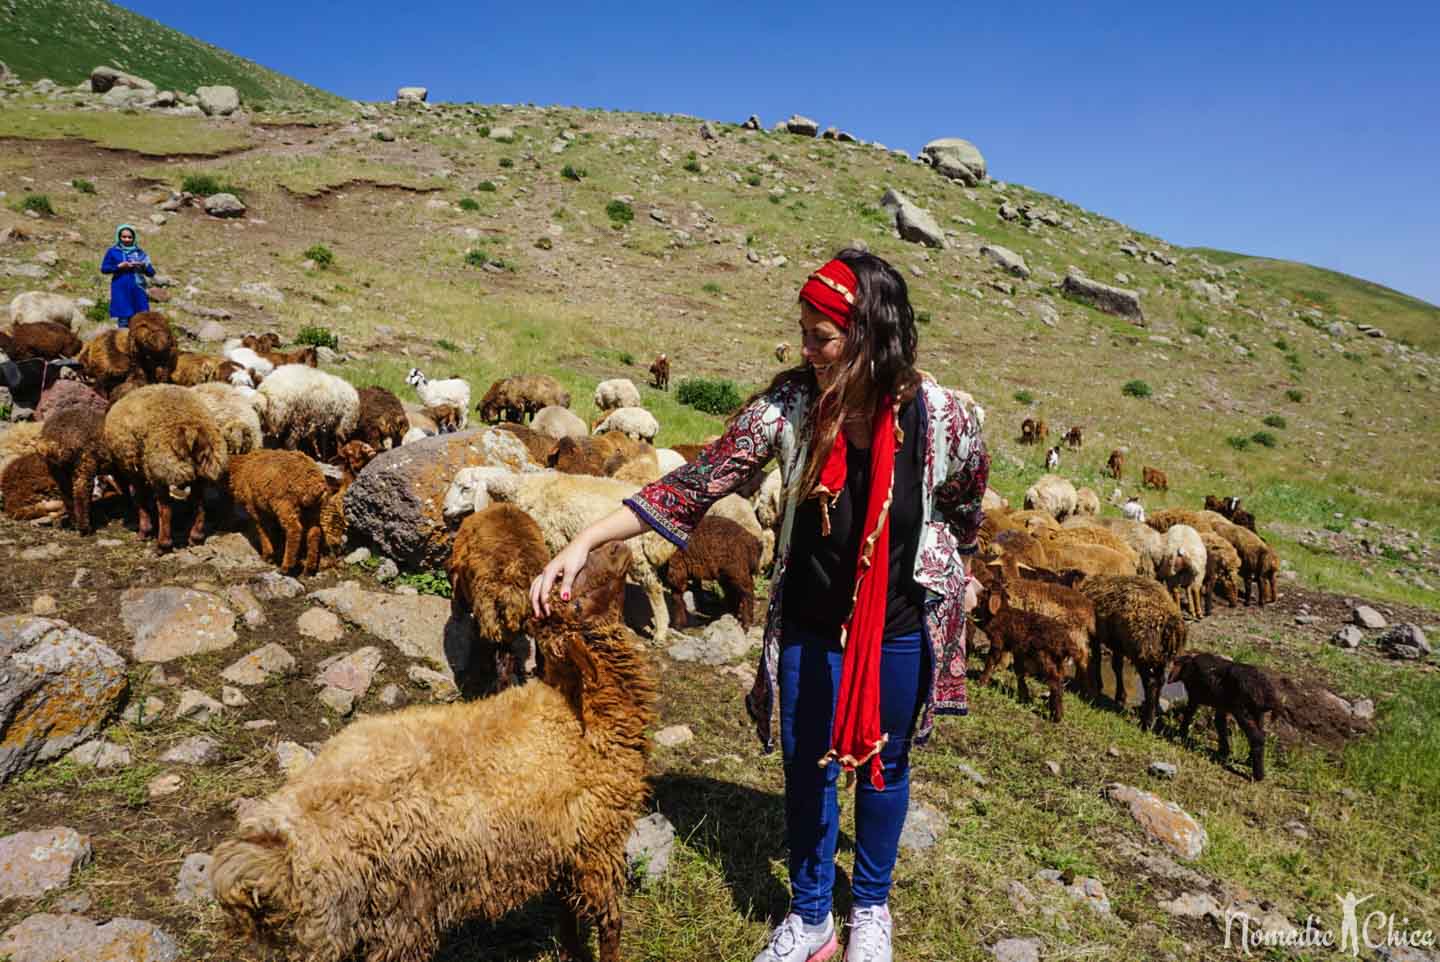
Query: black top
[[820, 578]]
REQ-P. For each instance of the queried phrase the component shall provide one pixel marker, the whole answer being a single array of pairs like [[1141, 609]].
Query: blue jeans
[[809, 679]]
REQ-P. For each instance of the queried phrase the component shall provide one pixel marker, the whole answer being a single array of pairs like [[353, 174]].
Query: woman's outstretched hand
[[564, 566]]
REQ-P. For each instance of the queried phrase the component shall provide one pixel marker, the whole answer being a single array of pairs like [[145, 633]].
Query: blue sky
[[1308, 131]]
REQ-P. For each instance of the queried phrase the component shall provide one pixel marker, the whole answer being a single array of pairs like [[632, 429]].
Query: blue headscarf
[[133, 233]]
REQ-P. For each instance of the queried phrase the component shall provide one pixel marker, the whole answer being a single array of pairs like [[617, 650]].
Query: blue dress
[[127, 297]]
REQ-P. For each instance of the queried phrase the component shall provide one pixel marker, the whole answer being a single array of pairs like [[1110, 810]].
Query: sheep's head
[[415, 378], [592, 613], [1180, 667], [355, 455]]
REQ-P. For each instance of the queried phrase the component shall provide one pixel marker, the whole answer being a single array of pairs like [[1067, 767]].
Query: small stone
[[674, 735], [259, 724], [44, 606], [966, 769], [197, 706], [1299, 829], [387, 571], [100, 754], [338, 700], [1363, 708], [70, 938], [320, 624], [1191, 905], [33, 863], [1367, 617], [272, 585], [648, 850], [1348, 636], [390, 696], [440, 685], [1016, 950], [1164, 821], [1404, 635], [162, 785], [924, 824], [224, 205], [232, 697], [143, 713], [1163, 769], [293, 757], [358, 556], [1053, 767], [722, 641], [261, 665], [169, 623], [1113, 751], [196, 750], [193, 883]]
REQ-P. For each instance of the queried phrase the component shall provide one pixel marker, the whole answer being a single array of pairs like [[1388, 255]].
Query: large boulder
[[74, 938], [396, 505], [33, 863], [218, 101], [413, 95], [914, 223], [1111, 300], [169, 623], [57, 687], [1164, 821], [957, 159], [224, 205], [803, 126], [104, 79], [1006, 259]]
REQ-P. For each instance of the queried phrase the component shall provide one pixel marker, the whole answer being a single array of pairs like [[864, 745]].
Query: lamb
[[601, 456], [443, 812], [454, 391], [1133, 510], [32, 307], [636, 422], [1058, 602], [1010, 544], [300, 405], [192, 369], [152, 346], [1231, 510], [1087, 502], [1154, 478], [557, 422], [1115, 465], [1027, 431], [235, 415], [382, 422], [285, 490], [719, 550], [782, 352], [660, 373], [1052, 458], [44, 340], [498, 551], [1183, 568], [447, 417], [1259, 564], [618, 392], [163, 441], [1054, 495], [352, 457], [1222, 571], [19, 439], [1038, 645], [1075, 437], [266, 343], [65, 394], [1137, 619], [72, 444], [30, 490], [251, 360], [107, 362], [1231, 688], [308, 355], [517, 398]]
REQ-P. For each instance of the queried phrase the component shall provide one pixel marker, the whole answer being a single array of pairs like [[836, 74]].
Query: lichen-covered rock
[[957, 159], [415, 624], [74, 938], [169, 623], [1165, 822], [58, 685], [396, 505], [33, 863], [1109, 300]]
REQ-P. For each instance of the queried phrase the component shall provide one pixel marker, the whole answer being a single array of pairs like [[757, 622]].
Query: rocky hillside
[[64, 39]]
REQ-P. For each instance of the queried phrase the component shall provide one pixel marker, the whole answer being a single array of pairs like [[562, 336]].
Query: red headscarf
[[856, 737]]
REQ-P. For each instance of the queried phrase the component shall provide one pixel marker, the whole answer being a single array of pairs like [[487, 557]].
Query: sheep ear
[[584, 661]]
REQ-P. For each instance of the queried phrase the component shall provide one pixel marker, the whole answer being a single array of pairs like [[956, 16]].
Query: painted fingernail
[[564, 596]]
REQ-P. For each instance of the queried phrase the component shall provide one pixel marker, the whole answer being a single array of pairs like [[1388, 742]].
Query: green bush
[[201, 185], [753, 180], [99, 311], [692, 163], [484, 130], [475, 257], [1264, 438], [627, 359], [1295, 394], [572, 173], [469, 204], [446, 345], [4, 412], [1274, 421], [619, 212], [319, 336], [82, 185], [321, 255], [426, 582], [711, 395], [923, 317], [39, 203], [506, 162], [1136, 388], [1024, 397], [1237, 442], [710, 287], [486, 187]]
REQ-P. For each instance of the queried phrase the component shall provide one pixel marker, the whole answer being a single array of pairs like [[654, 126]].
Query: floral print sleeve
[[674, 505], [959, 497]]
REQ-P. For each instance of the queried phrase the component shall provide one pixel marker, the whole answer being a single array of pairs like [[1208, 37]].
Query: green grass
[[83, 186], [426, 582], [486, 187], [39, 203], [323, 256], [318, 336], [619, 212], [1024, 397], [1135, 388]]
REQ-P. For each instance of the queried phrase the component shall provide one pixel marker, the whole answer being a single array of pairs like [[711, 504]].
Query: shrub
[[753, 180], [1295, 394], [692, 163], [82, 185], [201, 185], [99, 311], [426, 582], [713, 396], [475, 257], [321, 255], [469, 204], [446, 345], [619, 212], [486, 187], [319, 336], [922, 317], [1274, 421], [483, 130], [627, 359], [570, 172], [4, 412], [506, 162], [710, 287], [1024, 397], [1238, 443], [1264, 438], [1136, 388], [39, 203]]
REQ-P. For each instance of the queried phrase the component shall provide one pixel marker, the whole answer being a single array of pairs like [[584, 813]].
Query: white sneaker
[[789, 943], [870, 933]]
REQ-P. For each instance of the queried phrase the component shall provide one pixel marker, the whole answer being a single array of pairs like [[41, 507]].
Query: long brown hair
[[878, 358]]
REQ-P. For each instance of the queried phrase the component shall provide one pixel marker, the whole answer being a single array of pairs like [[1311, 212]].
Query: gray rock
[[914, 223], [1016, 950], [396, 505], [390, 696], [1406, 635], [924, 824], [197, 706], [338, 700], [957, 159], [352, 672], [674, 735], [193, 883], [415, 624], [143, 714], [385, 135], [74, 938], [722, 641], [1109, 300], [440, 684], [272, 585], [104, 79], [1363, 708], [1163, 769], [232, 697], [260, 666], [386, 570], [169, 623], [1173, 696], [803, 126], [649, 847], [1082, 888], [707, 132], [33, 863], [224, 205], [293, 758], [58, 686], [1348, 636], [100, 754], [751, 123], [358, 556], [1367, 617], [412, 95], [195, 750], [1006, 259], [1191, 905], [261, 291], [320, 624], [1164, 821], [218, 101]]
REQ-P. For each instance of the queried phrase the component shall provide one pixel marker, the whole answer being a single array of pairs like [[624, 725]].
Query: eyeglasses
[[816, 341]]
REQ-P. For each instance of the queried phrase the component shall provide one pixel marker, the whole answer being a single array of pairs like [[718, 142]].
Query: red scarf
[[856, 737]]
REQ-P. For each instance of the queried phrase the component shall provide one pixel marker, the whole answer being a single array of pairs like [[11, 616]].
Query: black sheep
[[1231, 688]]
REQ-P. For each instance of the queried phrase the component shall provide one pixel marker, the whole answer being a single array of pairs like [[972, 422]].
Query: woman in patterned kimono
[[883, 472]]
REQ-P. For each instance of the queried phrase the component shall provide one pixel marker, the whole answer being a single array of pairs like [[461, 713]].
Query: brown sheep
[[65, 394], [72, 444], [30, 490], [1039, 645], [192, 369], [1027, 431], [1259, 564], [382, 423], [1020, 546], [782, 352], [152, 346], [687, 451], [1115, 466], [309, 355], [1089, 535], [600, 456], [447, 417], [1137, 619], [518, 398], [1230, 688], [1147, 543], [352, 458], [660, 373], [1154, 478], [107, 362], [539, 446], [444, 813], [1166, 518], [1089, 559], [1231, 510], [1059, 602], [284, 490], [164, 442], [1075, 437], [266, 343], [498, 551], [719, 550], [45, 340], [1222, 571]]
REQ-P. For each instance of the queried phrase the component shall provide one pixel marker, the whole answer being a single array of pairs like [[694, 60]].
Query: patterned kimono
[[775, 425]]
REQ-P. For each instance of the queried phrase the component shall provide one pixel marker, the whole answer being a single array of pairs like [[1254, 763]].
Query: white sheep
[[233, 409], [1133, 510], [767, 502], [32, 307], [1183, 567], [1052, 458], [1054, 495], [1087, 502], [619, 392], [299, 404], [248, 359], [453, 390], [556, 422], [638, 423], [668, 459]]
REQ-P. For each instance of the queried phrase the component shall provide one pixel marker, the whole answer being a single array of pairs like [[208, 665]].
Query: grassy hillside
[[1352, 298], [65, 39]]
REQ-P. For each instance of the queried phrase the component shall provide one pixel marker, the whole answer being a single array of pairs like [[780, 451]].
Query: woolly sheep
[[516, 398], [1054, 495], [249, 359], [107, 363], [557, 422], [17, 440], [668, 459], [235, 415], [1038, 644], [637, 422], [1230, 688], [452, 390], [45, 340], [767, 501], [31, 307], [301, 405], [1182, 570], [285, 490], [192, 368], [152, 346], [1137, 619], [1222, 571], [1259, 564], [1087, 502], [619, 392], [721, 551], [382, 422], [1147, 543], [29, 489]]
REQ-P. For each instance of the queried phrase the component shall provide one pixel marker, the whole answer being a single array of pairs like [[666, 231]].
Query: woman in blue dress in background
[[125, 263]]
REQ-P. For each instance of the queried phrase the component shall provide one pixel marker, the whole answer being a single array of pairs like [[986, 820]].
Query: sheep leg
[[679, 616], [1254, 729], [1021, 689], [1150, 678], [993, 658], [1096, 682], [288, 515], [1117, 664], [1222, 733], [197, 527], [262, 534], [165, 508], [313, 536], [1187, 715], [82, 490], [140, 497], [1057, 701], [572, 940]]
